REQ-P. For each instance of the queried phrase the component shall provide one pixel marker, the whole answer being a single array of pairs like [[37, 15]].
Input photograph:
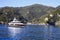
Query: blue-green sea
[[30, 32]]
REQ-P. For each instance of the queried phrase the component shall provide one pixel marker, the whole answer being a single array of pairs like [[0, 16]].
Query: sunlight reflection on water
[[13, 31]]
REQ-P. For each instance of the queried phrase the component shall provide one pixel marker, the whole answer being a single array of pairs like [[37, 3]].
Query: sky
[[21, 3]]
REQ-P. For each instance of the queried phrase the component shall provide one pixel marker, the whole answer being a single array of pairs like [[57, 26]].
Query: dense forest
[[34, 13]]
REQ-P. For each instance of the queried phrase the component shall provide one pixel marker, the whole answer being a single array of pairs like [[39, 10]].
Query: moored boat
[[15, 23]]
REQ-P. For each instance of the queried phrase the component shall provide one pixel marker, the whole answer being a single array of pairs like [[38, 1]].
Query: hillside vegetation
[[34, 13]]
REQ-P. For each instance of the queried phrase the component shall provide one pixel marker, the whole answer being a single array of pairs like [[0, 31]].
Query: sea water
[[30, 32]]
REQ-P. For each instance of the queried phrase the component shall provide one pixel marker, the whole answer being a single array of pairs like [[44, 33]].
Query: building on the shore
[[57, 23], [46, 19], [51, 15]]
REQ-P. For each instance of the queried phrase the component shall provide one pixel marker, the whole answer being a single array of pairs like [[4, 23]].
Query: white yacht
[[15, 22]]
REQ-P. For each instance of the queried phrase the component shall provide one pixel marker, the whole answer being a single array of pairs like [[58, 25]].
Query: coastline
[[56, 24]]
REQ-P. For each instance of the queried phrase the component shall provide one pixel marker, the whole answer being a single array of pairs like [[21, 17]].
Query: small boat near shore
[[15, 23]]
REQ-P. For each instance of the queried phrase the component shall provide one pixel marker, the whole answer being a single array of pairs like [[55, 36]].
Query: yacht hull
[[16, 25]]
